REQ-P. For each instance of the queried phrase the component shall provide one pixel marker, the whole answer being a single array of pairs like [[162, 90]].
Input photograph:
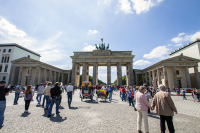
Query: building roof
[[19, 46], [183, 47]]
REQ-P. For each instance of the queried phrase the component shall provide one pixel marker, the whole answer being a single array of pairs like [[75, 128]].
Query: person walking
[[17, 92], [165, 108], [11, 88], [28, 97], [195, 94], [39, 93], [183, 93], [142, 107], [3, 93], [130, 97], [123, 94], [46, 93], [110, 93], [70, 91], [54, 95]]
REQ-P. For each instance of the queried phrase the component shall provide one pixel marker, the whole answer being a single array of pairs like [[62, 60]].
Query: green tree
[[123, 81]]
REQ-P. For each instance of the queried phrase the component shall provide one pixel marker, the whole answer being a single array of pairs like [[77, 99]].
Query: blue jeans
[[51, 106], [39, 96], [43, 100], [123, 97], [16, 98], [48, 101], [110, 96], [130, 101], [184, 97], [2, 110], [69, 94]]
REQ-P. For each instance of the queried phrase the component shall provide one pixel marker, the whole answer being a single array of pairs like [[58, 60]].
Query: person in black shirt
[[3, 93], [54, 95]]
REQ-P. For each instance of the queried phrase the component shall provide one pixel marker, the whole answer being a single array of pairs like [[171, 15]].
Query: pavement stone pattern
[[91, 117]]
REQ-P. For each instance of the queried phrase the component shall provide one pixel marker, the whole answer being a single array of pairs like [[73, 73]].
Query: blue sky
[[55, 28]]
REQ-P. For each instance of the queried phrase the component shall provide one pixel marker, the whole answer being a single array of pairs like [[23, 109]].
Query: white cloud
[[125, 6], [180, 39], [180, 34], [1, 33], [89, 48], [141, 63], [115, 69], [169, 45], [104, 2], [92, 32], [11, 29], [116, 12], [177, 39], [144, 5], [178, 44], [158, 52]]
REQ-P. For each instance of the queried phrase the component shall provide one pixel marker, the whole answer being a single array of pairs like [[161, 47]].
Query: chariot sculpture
[[102, 46]]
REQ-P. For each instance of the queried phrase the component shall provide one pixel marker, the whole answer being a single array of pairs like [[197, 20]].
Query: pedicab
[[86, 90], [101, 94]]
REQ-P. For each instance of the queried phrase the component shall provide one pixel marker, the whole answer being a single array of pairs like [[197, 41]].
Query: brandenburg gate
[[102, 58]]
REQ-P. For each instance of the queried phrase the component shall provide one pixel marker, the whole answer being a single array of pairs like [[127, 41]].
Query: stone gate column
[[119, 74], [20, 75], [158, 76], [54, 78], [187, 74], [95, 71], [13, 74], [69, 78], [29, 76], [62, 78], [84, 71], [197, 77], [73, 74], [36, 75], [143, 78], [108, 73], [150, 79], [175, 76], [165, 77], [50, 76], [146, 78], [131, 75], [154, 79], [58, 76], [44, 77]]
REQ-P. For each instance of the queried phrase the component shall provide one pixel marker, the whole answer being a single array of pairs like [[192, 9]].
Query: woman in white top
[[33, 89]]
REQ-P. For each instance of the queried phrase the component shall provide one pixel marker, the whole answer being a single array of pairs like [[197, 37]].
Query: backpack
[[132, 95]]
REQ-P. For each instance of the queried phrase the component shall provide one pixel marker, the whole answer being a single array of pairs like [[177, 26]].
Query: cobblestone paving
[[89, 117]]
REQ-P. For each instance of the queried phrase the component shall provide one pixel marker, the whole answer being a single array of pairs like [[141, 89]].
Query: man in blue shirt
[[110, 93], [17, 92]]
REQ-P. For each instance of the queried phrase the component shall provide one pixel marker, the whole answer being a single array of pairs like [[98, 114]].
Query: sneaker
[[45, 111], [49, 116], [1, 126]]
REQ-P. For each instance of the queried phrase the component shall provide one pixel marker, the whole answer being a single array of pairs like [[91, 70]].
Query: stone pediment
[[24, 60], [182, 58]]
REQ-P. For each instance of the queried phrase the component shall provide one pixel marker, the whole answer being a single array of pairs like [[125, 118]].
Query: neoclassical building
[[180, 70]]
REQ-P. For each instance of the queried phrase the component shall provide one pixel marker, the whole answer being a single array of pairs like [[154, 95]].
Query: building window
[[4, 77], [8, 59], [4, 50], [6, 68], [5, 59], [177, 72], [2, 59], [9, 50], [0, 68]]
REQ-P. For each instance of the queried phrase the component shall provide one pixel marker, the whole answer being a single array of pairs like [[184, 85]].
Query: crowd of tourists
[[138, 97]]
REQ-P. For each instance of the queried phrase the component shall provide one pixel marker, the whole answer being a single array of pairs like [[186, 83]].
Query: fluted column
[[68, 78], [50, 76], [175, 75], [54, 78], [20, 75], [146, 78], [154, 79], [95, 73], [13, 74], [29, 76], [131, 75], [44, 77], [84, 71], [150, 79], [58, 77], [36, 76], [187, 74], [108, 73], [73, 74], [165, 77], [158, 76], [197, 77], [119, 74]]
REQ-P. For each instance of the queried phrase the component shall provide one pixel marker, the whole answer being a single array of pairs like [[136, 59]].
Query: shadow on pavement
[[61, 107], [89, 101], [38, 105], [58, 118], [25, 114], [153, 115], [73, 108]]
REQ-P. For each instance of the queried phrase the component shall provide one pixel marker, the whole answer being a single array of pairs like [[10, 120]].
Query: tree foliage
[[123, 81]]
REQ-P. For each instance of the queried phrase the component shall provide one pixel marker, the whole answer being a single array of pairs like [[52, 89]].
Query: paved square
[[88, 116]]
